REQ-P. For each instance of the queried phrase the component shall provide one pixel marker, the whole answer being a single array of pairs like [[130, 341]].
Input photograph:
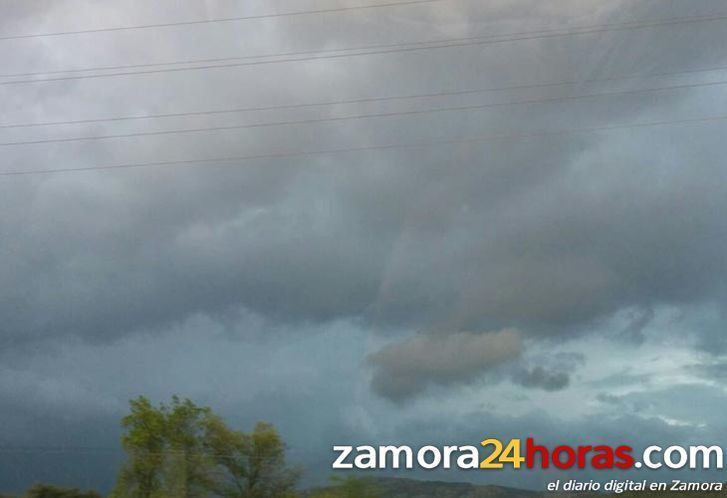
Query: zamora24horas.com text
[[492, 454]]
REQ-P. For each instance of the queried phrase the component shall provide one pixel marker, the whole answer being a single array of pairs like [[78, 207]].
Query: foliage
[[50, 491], [144, 441], [253, 465], [183, 450]]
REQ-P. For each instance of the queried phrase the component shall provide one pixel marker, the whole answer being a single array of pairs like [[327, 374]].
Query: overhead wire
[[218, 20], [396, 47], [361, 116], [361, 100], [400, 146], [385, 49]]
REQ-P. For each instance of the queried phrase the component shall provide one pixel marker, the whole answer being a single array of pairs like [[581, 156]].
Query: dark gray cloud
[[553, 236], [638, 320], [549, 371], [540, 378], [541, 234], [404, 369]]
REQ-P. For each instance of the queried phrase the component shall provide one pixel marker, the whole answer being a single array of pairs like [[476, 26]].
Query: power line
[[40, 449], [221, 19], [399, 146], [364, 51], [360, 100], [112, 449], [494, 38], [362, 116]]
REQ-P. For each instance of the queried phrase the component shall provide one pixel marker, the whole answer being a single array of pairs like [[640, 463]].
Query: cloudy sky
[[516, 228]]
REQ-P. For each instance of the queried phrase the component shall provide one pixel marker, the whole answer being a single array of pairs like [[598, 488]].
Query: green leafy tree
[[252, 465], [50, 491], [189, 467], [166, 451], [144, 442], [183, 450]]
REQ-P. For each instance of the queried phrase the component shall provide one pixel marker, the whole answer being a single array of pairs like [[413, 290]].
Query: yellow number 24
[[499, 457]]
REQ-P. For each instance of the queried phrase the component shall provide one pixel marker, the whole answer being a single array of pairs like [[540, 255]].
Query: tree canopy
[[51, 491], [183, 450]]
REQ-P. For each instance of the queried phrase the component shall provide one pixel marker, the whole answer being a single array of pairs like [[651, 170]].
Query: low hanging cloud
[[548, 236], [542, 378], [161, 280], [405, 369]]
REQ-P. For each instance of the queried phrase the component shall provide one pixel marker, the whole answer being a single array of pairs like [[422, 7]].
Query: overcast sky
[[544, 281]]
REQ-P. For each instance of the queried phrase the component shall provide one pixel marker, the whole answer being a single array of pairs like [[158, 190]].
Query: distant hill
[[413, 488], [393, 487]]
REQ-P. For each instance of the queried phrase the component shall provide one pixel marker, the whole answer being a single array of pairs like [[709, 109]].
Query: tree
[[253, 465], [50, 491], [166, 451], [144, 442], [189, 467], [183, 450]]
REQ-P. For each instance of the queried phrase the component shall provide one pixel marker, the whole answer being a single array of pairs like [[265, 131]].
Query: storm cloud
[[586, 223], [405, 368], [539, 377], [540, 234]]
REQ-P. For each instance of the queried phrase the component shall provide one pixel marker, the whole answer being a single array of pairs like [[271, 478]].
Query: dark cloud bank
[[444, 251]]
